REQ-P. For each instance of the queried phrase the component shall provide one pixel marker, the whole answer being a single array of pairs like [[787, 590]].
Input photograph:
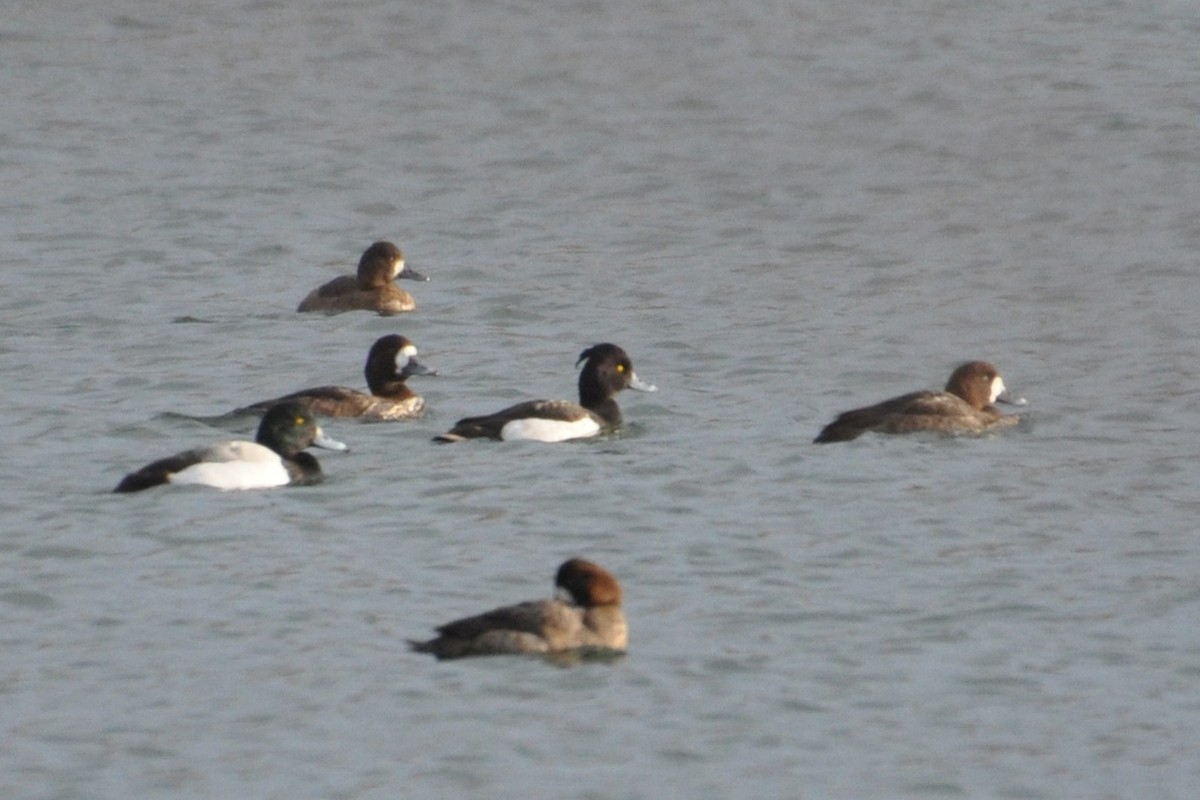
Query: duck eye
[[620, 367], [300, 420]]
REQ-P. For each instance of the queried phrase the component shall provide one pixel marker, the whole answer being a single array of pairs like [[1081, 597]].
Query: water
[[781, 210]]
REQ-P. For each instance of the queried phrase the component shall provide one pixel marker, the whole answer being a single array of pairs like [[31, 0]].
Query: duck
[[585, 616], [607, 370], [372, 289], [391, 360], [964, 407], [274, 458]]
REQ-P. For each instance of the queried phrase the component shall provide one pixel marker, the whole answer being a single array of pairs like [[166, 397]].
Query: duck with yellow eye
[[276, 457], [607, 370]]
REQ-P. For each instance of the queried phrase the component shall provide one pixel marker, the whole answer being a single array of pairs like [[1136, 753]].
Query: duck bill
[[325, 443], [637, 383], [414, 367], [1006, 398], [411, 274]]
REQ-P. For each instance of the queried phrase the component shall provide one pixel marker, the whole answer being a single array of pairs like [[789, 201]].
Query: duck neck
[[592, 394], [606, 409], [394, 389]]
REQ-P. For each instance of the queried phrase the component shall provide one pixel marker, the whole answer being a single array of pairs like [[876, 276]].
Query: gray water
[[781, 210]]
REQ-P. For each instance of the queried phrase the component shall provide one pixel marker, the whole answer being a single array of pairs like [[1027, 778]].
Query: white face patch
[[397, 267], [402, 357], [538, 429], [997, 389]]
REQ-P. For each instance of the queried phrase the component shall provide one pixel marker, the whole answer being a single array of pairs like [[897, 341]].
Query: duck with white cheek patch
[[391, 361], [964, 407], [373, 288]]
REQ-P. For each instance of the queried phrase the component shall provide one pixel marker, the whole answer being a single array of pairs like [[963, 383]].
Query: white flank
[[236, 465], [538, 429]]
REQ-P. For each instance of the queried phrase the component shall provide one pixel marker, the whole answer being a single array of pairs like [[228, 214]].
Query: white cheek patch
[[397, 267], [997, 389], [402, 357], [538, 429]]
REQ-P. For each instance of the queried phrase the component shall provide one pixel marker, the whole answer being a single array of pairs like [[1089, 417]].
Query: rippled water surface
[[781, 210]]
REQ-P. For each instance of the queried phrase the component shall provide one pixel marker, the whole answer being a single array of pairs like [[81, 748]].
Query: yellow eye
[[620, 367], [300, 420]]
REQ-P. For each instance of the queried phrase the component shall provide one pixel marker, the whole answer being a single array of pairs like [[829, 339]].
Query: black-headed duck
[[607, 371], [274, 458]]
